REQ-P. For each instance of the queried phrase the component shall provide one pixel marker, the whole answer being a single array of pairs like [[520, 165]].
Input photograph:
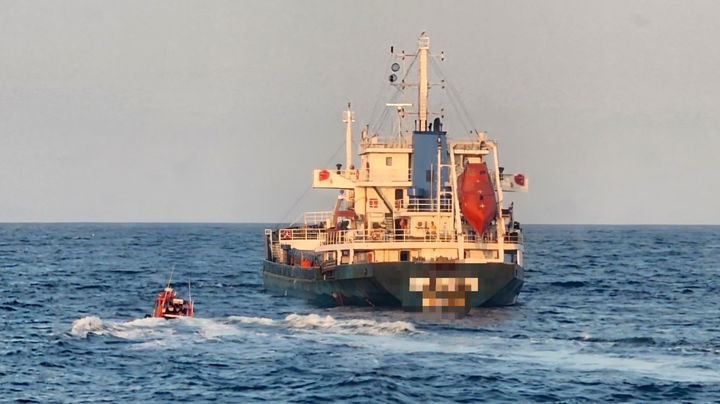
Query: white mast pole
[[171, 274], [438, 179], [348, 119], [423, 47], [456, 205], [500, 223]]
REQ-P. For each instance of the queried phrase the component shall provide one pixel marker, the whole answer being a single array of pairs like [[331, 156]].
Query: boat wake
[[209, 328], [331, 325], [401, 337], [576, 355], [154, 328], [138, 328], [349, 326]]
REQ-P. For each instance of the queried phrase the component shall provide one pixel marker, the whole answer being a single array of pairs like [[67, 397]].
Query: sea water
[[608, 313]]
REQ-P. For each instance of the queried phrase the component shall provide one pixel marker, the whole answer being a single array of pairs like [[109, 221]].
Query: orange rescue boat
[[477, 196], [169, 305]]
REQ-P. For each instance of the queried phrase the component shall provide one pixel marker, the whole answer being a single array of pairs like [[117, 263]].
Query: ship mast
[[348, 119], [423, 47]]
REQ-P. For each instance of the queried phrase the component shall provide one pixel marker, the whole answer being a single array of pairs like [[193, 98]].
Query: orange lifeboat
[[476, 196], [168, 305]]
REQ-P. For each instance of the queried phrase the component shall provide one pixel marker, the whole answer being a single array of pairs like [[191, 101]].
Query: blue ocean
[[608, 313]]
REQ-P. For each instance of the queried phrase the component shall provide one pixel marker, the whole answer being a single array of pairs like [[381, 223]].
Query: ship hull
[[416, 286]]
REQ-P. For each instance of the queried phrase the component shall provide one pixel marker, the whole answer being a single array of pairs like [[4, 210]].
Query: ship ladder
[[389, 224]]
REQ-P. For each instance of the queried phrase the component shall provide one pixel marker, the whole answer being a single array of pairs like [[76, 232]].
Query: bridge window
[[388, 161]]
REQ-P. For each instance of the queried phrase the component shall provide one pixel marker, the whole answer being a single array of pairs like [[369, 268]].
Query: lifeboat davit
[[168, 305], [477, 196]]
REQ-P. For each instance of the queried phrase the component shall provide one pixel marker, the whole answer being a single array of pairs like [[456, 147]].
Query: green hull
[[388, 284]]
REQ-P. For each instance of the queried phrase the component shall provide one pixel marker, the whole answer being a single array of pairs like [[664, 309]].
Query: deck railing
[[429, 204], [333, 236], [375, 174], [313, 218], [302, 233], [384, 142], [382, 236]]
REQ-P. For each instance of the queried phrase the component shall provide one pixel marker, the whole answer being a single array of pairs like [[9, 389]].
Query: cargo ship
[[419, 223]]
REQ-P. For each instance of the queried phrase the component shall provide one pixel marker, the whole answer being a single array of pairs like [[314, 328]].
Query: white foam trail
[[165, 331], [82, 326], [557, 354], [133, 329], [350, 326], [145, 322], [332, 325], [252, 320], [658, 366], [212, 329]]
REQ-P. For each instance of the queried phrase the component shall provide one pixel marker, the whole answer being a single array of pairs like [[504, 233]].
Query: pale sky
[[217, 111]]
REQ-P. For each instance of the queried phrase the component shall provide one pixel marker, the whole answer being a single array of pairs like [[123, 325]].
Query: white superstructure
[[390, 209]]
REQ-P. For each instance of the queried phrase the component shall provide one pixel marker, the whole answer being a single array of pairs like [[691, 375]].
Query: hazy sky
[[216, 111]]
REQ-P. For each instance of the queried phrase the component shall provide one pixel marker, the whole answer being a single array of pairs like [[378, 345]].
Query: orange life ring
[[285, 234], [375, 235]]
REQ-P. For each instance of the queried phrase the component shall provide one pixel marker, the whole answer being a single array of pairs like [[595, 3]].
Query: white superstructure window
[[388, 161]]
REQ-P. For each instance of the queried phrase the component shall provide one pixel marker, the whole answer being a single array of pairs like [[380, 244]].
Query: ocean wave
[[568, 284], [636, 341]]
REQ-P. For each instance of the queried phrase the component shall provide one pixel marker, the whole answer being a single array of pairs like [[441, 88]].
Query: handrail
[[334, 236], [310, 218], [301, 233], [430, 204], [386, 143], [382, 236], [375, 174]]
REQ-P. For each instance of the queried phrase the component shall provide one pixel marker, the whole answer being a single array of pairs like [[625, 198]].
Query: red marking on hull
[[477, 196]]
